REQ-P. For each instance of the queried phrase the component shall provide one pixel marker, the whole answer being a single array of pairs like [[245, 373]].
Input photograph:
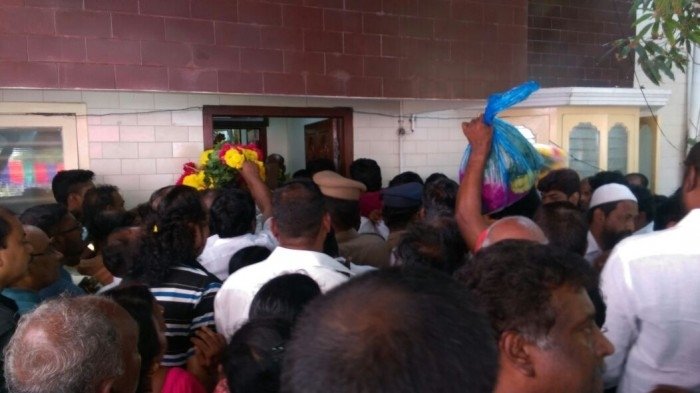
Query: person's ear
[[327, 223], [274, 228], [691, 180], [106, 386], [421, 214], [575, 198], [598, 216], [74, 200], [515, 350]]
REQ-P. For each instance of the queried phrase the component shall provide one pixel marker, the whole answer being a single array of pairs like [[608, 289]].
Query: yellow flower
[[261, 169], [195, 180], [234, 159], [250, 155], [204, 157]]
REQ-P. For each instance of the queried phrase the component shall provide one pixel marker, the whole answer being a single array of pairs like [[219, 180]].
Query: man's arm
[[258, 189], [468, 208]]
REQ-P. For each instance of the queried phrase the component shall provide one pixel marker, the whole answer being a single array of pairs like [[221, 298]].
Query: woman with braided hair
[[175, 234]]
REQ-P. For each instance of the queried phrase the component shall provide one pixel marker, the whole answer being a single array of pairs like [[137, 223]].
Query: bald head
[[66, 345], [514, 228], [37, 238]]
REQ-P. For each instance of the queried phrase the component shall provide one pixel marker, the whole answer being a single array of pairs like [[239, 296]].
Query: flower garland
[[221, 165]]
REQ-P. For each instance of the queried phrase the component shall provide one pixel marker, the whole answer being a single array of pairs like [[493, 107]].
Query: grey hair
[[67, 345]]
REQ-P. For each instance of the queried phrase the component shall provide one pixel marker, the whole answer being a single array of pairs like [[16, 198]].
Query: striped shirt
[[187, 296]]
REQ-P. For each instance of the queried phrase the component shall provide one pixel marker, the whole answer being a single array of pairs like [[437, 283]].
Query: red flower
[[187, 169], [224, 148], [254, 147]]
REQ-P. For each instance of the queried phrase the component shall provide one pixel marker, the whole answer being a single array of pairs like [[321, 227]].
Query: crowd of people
[[325, 283]]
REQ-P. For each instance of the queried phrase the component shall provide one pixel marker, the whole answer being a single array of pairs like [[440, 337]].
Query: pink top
[[181, 381]]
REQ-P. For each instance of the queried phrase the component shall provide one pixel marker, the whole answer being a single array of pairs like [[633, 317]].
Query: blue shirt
[[64, 284], [26, 300]]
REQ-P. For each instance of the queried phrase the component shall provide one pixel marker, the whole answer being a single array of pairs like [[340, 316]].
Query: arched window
[[617, 148], [584, 142]]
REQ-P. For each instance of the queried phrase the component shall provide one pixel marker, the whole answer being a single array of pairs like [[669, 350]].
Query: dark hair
[[526, 206], [330, 245], [298, 209], [565, 180], [392, 330], [247, 256], [513, 280], [437, 244], [169, 237], [397, 218], [642, 178], [607, 208], [606, 177], [138, 301], [367, 172], [5, 225], [319, 165], [435, 177], [284, 297], [668, 211], [645, 201], [440, 198], [564, 225], [104, 223], [98, 199], [345, 214], [46, 217], [68, 182], [301, 174], [232, 213], [253, 358], [406, 177], [120, 253]]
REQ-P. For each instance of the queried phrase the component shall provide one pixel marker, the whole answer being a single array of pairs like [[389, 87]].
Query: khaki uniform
[[362, 249]]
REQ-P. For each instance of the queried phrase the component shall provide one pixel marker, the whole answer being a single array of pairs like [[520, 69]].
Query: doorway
[[318, 132]]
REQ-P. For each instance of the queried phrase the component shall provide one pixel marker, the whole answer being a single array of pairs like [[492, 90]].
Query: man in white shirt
[[611, 216], [650, 284], [300, 223], [232, 221]]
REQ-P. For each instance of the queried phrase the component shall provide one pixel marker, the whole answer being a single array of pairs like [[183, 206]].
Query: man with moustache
[[536, 298], [611, 217]]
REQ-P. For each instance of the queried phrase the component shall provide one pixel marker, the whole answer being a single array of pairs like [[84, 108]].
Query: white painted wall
[[139, 141]]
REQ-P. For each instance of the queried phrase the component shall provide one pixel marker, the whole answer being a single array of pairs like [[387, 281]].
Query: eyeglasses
[[83, 231]]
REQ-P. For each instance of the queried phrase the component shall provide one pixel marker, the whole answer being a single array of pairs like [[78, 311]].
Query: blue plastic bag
[[513, 164]]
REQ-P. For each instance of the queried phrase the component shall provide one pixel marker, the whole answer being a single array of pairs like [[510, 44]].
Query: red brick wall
[[566, 42], [363, 48]]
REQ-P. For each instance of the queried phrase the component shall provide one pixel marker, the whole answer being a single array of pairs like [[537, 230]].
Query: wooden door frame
[[345, 137]]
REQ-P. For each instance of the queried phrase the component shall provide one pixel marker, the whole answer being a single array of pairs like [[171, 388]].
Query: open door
[[332, 138], [321, 141]]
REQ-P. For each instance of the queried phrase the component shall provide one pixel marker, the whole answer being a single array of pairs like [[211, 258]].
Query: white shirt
[[651, 284], [232, 302], [218, 251], [367, 226], [649, 228], [593, 251]]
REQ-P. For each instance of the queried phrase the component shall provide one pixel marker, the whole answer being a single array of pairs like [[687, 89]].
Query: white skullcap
[[611, 193]]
